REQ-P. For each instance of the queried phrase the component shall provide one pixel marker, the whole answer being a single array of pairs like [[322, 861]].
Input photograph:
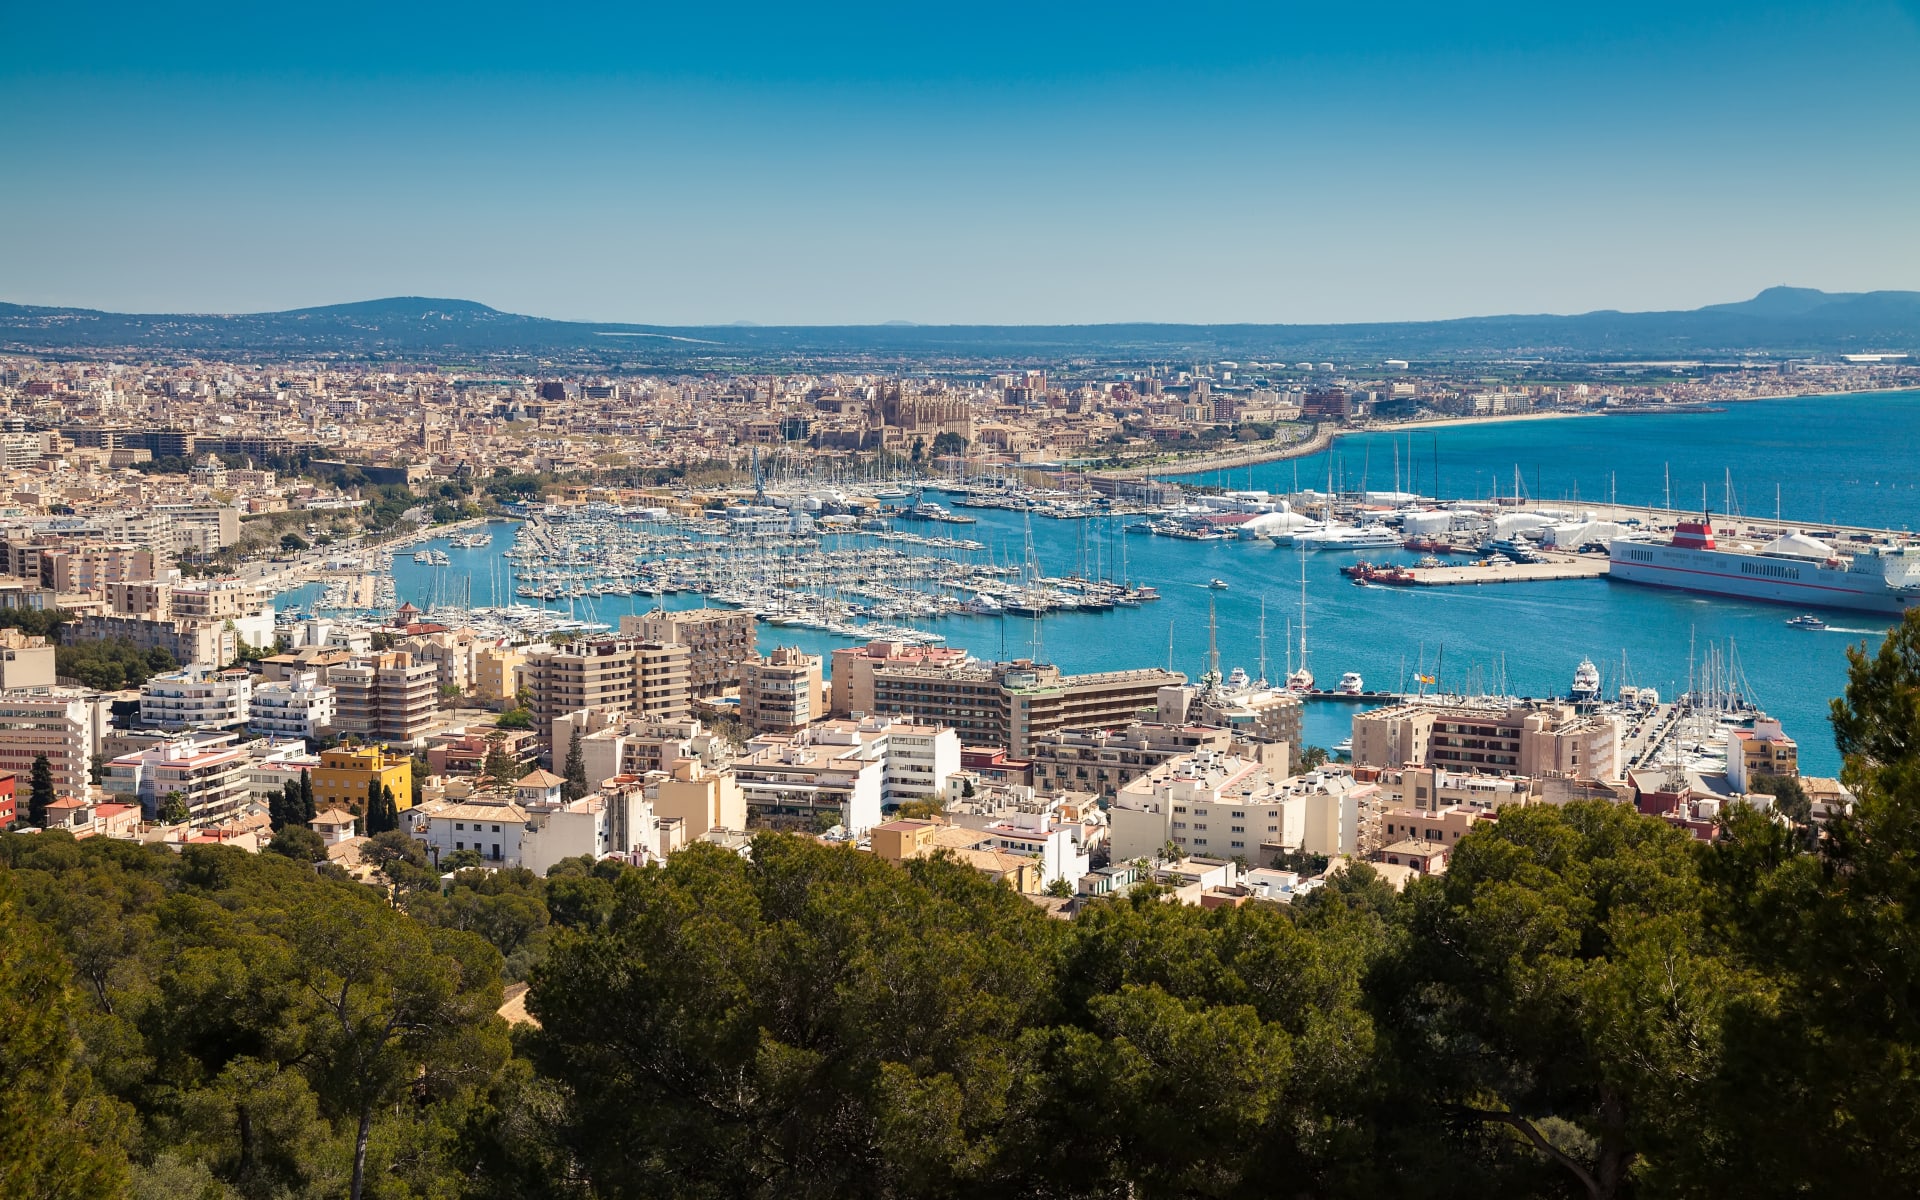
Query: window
[[1238, 845], [1199, 825], [1239, 829], [496, 829], [459, 845], [460, 825]]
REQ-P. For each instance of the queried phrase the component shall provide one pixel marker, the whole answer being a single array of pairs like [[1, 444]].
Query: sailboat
[[1301, 679]]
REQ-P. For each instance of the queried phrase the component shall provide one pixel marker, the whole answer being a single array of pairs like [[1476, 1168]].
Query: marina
[[1079, 591]]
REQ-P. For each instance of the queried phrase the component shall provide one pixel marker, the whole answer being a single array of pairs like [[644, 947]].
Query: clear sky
[[958, 162]]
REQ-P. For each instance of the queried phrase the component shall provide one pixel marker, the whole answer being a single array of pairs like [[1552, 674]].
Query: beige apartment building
[[26, 661], [1005, 705], [616, 673], [701, 799], [1103, 761], [719, 642], [387, 697], [782, 692], [1537, 740]]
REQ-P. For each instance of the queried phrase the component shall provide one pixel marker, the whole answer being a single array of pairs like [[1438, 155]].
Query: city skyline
[[1017, 168]]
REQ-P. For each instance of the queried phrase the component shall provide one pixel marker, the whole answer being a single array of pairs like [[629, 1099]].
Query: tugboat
[[1586, 682], [1807, 621]]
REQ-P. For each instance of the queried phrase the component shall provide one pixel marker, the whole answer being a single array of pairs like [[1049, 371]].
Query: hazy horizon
[[668, 324], [1012, 164]]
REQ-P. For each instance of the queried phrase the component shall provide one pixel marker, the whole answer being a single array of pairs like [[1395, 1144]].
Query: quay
[[1568, 566]]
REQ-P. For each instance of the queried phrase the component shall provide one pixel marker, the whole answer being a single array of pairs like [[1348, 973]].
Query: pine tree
[[283, 807], [576, 772], [40, 798]]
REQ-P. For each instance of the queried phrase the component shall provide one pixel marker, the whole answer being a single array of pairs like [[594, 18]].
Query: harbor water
[[1840, 459]]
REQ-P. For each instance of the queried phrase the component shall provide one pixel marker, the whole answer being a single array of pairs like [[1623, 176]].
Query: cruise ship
[[1791, 569]]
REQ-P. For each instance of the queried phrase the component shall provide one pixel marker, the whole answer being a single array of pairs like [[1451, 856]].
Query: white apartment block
[[199, 697], [299, 707], [1225, 807], [856, 768]]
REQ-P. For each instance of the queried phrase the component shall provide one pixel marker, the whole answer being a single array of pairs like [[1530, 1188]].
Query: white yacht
[[1349, 537], [1351, 684], [1586, 681]]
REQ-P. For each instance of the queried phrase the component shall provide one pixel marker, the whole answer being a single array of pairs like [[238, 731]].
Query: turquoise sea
[[1846, 459]]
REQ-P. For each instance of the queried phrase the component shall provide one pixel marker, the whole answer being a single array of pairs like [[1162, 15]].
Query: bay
[[1846, 459]]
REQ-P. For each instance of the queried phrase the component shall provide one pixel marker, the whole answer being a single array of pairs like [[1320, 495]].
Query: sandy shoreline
[[1324, 436]]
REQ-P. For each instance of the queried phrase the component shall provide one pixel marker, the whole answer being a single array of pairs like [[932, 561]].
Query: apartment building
[[209, 773], [62, 723], [1436, 788], [488, 824], [1260, 713], [1762, 748], [849, 771], [218, 601], [616, 673], [26, 661], [344, 776], [198, 697], [854, 668], [1224, 806], [719, 642], [782, 692], [497, 674], [77, 565], [453, 654], [899, 841], [1537, 739], [1103, 761], [387, 696], [300, 707], [1005, 705], [699, 799], [214, 643], [619, 743]]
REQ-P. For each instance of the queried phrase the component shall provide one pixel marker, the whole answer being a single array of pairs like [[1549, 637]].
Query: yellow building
[[343, 777], [497, 673]]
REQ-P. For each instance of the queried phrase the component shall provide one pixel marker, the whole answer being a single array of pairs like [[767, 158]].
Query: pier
[[1554, 566]]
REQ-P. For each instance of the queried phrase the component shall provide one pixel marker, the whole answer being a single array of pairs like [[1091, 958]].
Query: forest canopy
[[1588, 1003]]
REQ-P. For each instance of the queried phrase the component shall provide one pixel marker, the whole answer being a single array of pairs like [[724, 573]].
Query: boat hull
[[1755, 577]]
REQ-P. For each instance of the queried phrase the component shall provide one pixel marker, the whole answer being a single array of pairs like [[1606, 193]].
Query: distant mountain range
[[1780, 320]]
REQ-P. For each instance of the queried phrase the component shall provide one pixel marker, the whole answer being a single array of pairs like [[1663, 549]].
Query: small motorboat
[[1807, 621], [1218, 585]]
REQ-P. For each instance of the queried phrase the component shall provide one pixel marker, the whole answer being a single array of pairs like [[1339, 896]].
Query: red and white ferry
[[1791, 569]]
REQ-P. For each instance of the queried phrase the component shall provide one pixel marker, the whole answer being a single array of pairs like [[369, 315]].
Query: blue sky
[[983, 162]]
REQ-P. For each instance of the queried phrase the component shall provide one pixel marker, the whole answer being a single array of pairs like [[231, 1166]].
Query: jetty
[[1552, 567]]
